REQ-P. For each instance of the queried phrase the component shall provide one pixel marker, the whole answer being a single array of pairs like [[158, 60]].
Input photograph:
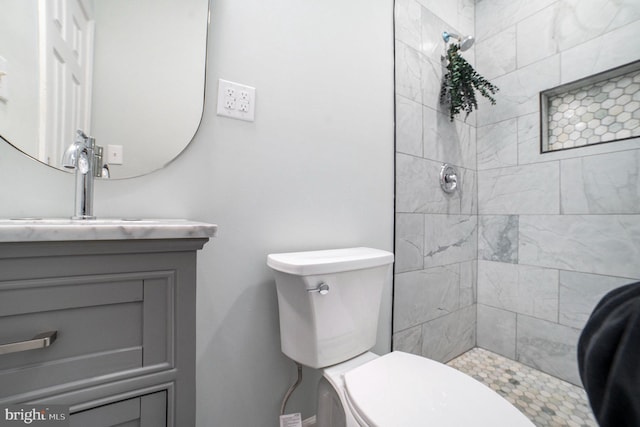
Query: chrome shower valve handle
[[448, 178]]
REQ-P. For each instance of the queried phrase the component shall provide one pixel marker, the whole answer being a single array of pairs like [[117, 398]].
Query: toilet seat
[[400, 389]]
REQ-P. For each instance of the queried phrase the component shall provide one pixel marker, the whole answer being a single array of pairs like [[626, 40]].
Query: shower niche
[[597, 109]]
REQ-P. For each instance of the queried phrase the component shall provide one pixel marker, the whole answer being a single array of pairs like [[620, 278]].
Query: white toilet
[[329, 303]]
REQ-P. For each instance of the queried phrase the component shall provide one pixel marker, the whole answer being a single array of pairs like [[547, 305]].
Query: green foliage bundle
[[460, 83]]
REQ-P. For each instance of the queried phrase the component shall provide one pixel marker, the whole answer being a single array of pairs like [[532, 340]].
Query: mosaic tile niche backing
[[592, 113]]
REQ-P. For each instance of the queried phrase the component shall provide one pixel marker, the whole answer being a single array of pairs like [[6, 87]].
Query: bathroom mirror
[[130, 73]]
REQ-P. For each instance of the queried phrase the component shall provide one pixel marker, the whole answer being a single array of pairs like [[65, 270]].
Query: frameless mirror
[[130, 73]]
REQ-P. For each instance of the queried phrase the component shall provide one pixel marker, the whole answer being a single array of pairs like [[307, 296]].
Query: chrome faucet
[[86, 158]]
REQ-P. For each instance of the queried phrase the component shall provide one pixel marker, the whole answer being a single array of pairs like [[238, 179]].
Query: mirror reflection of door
[[66, 56]]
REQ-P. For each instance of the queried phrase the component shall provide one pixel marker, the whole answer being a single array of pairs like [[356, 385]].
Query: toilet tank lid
[[328, 261]]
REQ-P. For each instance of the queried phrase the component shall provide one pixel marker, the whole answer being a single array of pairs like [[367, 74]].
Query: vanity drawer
[[144, 411], [107, 326]]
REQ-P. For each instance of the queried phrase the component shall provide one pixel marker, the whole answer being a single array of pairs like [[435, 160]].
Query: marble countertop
[[58, 229]]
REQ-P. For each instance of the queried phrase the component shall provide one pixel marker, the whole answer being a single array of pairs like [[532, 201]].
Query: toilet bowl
[[328, 303], [401, 389]]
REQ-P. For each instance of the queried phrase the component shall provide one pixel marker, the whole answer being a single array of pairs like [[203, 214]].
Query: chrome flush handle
[[322, 289]]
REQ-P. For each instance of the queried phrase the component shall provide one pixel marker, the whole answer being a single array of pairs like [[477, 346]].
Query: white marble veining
[[425, 295], [529, 140], [519, 288], [535, 36], [430, 78], [590, 18], [601, 244], [496, 55], [459, 14], [449, 336], [40, 230], [432, 26], [407, 22], [468, 281], [497, 330], [409, 340], [497, 145], [408, 126], [449, 239], [468, 199], [549, 347], [446, 141], [408, 72], [409, 251], [520, 90], [597, 55], [580, 292], [498, 238], [608, 183], [569, 23], [520, 189], [493, 16]]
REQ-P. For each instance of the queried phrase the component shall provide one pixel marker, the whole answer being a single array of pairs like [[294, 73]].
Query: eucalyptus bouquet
[[460, 83]]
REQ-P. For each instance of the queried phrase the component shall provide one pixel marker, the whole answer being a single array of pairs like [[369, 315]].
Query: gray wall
[[556, 230], [436, 233], [311, 172]]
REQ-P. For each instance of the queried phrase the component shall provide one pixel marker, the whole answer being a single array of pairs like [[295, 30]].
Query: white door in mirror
[[236, 100]]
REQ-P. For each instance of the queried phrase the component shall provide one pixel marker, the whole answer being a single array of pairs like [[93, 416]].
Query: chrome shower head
[[465, 41]]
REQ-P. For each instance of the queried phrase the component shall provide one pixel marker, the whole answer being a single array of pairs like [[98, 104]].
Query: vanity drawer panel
[[51, 374], [105, 325], [145, 411], [56, 294]]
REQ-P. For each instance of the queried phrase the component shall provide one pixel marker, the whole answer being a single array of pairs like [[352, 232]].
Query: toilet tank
[[329, 302]]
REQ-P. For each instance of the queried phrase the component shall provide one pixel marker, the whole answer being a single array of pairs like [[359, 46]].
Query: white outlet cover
[[243, 99]]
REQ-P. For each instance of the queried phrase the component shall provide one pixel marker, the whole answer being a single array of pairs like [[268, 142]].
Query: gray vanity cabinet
[[124, 317]]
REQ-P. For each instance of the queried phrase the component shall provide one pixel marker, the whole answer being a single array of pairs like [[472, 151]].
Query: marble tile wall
[[516, 260], [436, 233], [558, 230]]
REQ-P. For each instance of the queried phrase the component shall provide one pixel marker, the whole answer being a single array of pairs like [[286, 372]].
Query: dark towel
[[609, 358]]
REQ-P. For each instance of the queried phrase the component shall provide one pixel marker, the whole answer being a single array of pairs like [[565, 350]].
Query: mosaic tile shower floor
[[546, 400]]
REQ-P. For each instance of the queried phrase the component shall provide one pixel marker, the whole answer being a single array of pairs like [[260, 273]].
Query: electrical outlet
[[236, 101]]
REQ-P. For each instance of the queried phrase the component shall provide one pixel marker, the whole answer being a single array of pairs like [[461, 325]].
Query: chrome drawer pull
[[39, 341]]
